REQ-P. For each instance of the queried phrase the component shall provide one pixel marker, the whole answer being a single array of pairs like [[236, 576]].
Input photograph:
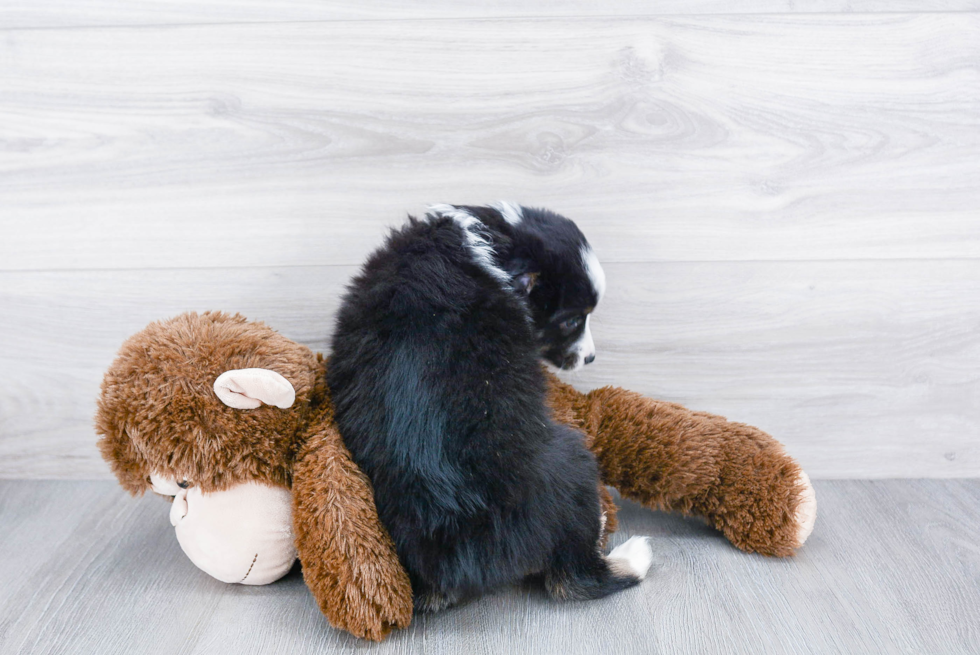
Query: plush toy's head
[[207, 410], [161, 412], [233, 423]]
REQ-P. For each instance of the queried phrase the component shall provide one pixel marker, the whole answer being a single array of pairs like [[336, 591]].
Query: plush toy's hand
[[667, 457], [736, 476], [349, 561], [242, 535]]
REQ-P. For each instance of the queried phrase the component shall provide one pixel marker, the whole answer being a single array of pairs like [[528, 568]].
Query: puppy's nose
[[590, 358]]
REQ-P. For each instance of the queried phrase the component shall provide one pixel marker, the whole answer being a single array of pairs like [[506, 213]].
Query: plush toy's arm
[[668, 457], [349, 561]]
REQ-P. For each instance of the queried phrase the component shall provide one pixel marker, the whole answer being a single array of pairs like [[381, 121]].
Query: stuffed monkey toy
[[234, 422]]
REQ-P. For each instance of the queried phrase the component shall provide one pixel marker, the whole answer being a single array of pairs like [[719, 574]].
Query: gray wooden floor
[[892, 567]]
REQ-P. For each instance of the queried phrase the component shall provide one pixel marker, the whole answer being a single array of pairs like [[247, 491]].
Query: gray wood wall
[[787, 203]]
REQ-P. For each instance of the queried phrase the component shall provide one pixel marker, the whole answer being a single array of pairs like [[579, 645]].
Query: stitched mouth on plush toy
[[250, 566]]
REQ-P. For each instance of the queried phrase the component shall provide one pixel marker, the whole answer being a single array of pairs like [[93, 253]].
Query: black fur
[[436, 377], [549, 245]]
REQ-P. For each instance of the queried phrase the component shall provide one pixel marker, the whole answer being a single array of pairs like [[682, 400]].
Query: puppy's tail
[[600, 576]]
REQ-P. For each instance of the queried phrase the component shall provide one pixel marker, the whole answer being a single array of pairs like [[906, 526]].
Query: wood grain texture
[[95, 13], [892, 566], [863, 369], [775, 137], [786, 202]]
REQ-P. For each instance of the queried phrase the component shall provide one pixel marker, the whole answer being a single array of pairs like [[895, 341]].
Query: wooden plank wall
[[787, 204]]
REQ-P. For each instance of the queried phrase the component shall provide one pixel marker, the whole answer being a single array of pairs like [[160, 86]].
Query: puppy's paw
[[634, 556], [806, 511], [434, 601]]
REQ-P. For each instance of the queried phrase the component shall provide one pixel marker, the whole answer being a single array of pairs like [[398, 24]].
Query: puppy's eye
[[183, 484], [569, 325]]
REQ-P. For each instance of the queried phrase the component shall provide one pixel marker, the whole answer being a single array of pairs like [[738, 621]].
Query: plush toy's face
[[205, 410], [162, 413], [242, 535]]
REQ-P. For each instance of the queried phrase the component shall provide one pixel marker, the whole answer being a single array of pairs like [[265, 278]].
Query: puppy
[[440, 396]]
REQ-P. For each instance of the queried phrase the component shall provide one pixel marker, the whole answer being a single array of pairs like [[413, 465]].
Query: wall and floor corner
[[786, 204]]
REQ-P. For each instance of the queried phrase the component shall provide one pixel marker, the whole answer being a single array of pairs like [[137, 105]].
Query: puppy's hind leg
[[427, 598], [434, 601], [578, 570], [587, 575]]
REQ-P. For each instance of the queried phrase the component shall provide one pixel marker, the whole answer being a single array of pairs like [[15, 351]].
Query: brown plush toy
[[235, 422]]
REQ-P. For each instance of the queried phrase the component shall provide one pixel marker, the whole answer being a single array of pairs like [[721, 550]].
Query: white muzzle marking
[[583, 348]]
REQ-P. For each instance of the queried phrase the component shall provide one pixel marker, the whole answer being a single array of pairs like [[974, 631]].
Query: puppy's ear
[[248, 388], [525, 282]]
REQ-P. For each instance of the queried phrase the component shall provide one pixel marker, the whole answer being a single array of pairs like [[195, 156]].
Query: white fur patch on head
[[596, 275], [477, 240], [512, 213]]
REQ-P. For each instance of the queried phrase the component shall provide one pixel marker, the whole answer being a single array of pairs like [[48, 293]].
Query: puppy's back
[[435, 379]]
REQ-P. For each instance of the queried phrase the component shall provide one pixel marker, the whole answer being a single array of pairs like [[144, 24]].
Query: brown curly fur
[[349, 561], [158, 412], [665, 456]]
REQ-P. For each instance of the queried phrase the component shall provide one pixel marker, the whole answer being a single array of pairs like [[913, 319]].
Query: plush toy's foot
[[668, 457], [806, 511], [774, 517]]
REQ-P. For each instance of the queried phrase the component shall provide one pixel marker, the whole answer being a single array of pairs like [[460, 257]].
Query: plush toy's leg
[[668, 457], [349, 561]]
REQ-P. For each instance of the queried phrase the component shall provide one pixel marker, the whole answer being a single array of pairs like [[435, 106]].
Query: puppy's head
[[562, 309], [553, 263]]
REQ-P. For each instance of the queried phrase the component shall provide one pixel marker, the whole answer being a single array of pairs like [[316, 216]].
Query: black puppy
[[436, 377]]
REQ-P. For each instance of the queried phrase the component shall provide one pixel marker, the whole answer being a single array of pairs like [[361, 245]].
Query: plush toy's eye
[[569, 325]]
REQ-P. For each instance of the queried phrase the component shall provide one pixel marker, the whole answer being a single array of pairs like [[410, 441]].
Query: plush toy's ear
[[248, 388]]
